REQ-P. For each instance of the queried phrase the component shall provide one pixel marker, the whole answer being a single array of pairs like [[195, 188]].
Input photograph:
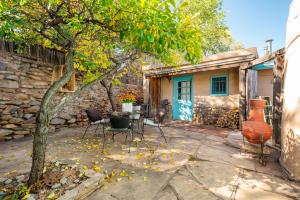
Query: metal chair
[[136, 120], [94, 117], [157, 121]]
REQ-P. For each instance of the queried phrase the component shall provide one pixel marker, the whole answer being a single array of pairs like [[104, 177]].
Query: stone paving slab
[[219, 178], [271, 184], [246, 192], [188, 189], [192, 165], [225, 155], [143, 185]]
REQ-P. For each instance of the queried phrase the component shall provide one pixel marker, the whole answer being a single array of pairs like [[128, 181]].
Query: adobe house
[[206, 90], [25, 77]]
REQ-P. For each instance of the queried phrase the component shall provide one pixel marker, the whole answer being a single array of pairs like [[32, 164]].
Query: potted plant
[[127, 100], [119, 120]]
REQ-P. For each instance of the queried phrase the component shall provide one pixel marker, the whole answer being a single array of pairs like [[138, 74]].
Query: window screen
[[219, 85], [184, 90]]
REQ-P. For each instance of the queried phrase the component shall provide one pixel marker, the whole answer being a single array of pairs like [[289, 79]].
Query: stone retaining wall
[[23, 83]]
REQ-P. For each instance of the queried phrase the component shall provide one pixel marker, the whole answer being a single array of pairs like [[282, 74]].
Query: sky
[[252, 22]]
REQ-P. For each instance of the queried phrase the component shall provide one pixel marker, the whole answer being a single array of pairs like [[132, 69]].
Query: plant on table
[[127, 99]]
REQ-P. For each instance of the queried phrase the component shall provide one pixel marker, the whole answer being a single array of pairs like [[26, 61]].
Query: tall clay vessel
[[255, 129]]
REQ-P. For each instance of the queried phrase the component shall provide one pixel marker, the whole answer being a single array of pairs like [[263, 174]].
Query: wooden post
[[242, 95], [277, 98]]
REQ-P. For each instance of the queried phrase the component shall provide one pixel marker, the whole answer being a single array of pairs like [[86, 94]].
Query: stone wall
[[23, 83]]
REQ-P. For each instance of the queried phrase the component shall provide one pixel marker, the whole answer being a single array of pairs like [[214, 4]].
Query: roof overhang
[[214, 62], [264, 62]]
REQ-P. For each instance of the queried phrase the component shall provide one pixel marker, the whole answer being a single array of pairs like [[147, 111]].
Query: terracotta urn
[[255, 129]]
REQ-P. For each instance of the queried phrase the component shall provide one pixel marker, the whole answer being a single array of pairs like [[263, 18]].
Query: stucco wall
[[201, 84], [212, 107], [202, 88], [265, 83]]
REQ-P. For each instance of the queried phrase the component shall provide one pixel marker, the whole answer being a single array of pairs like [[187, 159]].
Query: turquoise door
[[183, 98]]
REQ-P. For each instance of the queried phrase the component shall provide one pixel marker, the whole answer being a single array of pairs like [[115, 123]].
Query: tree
[[208, 14], [99, 38]]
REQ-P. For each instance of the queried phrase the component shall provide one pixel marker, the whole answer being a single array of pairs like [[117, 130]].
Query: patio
[[192, 165]]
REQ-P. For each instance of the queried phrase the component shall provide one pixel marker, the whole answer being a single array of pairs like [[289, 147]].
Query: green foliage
[[168, 30], [23, 192], [209, 17]]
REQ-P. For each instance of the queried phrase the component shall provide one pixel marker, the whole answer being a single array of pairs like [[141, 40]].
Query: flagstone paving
[[191, 166]]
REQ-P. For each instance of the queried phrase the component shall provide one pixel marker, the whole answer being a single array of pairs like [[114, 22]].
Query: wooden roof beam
[[264, 59]]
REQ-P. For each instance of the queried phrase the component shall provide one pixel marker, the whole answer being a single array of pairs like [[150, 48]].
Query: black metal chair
[[94, 117], [136, 118], [157, 121]]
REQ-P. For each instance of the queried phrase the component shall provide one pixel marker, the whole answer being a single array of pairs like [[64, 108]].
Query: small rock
[[89, 173], [31, 197], [12, 77], [2, 180], [28, 116], [5, 132], [57, 163], [68, 162], [22, 96], [34, 103], [2, 194], [54, 170], [16, 120], [63, 180], [55, 186], [57, 121], [8, 181], [71, 121], [9, 84], [20, 178], [32, 109]]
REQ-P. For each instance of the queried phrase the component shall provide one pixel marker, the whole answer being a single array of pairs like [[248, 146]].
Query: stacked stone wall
[[23, 83]]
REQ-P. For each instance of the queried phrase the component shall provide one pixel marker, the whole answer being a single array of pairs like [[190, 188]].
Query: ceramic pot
[[119, 122], [127, 107], [255, 129], [256, 112]]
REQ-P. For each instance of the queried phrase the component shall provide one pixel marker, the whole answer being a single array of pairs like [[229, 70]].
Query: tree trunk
[[42, 123], [111, 98], [39, 147], [110, 94]]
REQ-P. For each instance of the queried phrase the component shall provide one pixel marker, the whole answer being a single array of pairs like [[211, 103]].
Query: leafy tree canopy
[[98, 29]]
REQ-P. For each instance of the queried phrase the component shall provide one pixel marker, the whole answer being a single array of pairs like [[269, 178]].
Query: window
[[219, 85], [184, 90], [58, 71]]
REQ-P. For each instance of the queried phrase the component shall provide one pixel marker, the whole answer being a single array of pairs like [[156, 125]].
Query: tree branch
[[47, 99], [117, 68]]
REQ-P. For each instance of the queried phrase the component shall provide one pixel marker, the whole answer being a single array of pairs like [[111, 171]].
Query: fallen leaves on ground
[[97, 168], [139, 156], [52, 196]]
